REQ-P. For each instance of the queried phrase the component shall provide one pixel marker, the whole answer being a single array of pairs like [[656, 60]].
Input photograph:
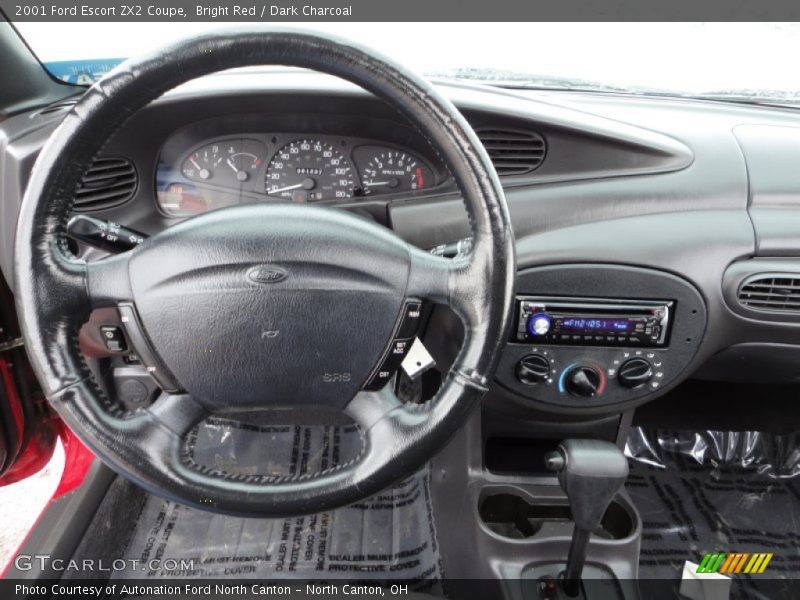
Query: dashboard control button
[[635, 373], [533, 369], [379, 379], [133, 330], [409, 323], [391, 362], [132, 391], [583, 381], [113, 338], [399, 348]]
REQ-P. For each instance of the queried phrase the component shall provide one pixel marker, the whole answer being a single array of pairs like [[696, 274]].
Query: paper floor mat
[[690, 506], [389, 536]]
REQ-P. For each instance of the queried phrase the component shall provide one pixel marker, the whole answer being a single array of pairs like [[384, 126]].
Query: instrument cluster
[[296, 168]]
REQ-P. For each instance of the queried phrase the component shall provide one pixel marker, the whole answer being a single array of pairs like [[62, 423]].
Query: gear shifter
[[590, 472]]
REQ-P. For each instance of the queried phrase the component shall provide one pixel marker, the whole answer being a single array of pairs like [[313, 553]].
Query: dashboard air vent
[[778, 293], [513, 152], [108, 182]]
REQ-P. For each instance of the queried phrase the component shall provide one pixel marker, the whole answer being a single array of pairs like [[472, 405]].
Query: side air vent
[[108, 182], [771, 292], [513, 152]]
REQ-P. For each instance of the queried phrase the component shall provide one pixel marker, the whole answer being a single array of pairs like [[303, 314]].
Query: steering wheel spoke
[[180, 413], [368, 407], [455, 282], [431, 277], [107, 281]]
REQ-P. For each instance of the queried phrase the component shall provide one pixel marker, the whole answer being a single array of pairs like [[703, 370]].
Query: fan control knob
[[533, 368]]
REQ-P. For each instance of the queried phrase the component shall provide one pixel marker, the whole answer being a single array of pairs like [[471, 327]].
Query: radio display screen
[[605, 326]]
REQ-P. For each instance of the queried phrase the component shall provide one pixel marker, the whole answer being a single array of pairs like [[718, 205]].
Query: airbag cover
[[270, 305]]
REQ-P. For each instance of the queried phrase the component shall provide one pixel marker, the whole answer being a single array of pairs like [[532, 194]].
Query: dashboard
[[195, 176], [620, 205]]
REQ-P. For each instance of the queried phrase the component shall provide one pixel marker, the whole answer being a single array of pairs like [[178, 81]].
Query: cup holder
[[514, 517]]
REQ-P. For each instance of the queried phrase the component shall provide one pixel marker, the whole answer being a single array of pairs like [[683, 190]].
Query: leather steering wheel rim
[[55, 291]]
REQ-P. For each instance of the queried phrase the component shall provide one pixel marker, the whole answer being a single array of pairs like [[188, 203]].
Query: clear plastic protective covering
[[764, 453], [388, 536], [715, 491]]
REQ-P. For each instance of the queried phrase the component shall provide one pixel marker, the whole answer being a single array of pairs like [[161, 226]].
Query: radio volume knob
[[634, 373], [539, 324], [533, 369]]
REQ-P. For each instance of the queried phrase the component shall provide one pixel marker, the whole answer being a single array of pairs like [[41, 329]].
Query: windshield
[[737, 61]]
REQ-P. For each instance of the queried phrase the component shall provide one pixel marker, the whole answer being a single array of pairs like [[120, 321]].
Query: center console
[[587, 344], [589, 337]]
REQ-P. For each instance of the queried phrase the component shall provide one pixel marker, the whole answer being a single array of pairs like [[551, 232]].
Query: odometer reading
[[309, 171]]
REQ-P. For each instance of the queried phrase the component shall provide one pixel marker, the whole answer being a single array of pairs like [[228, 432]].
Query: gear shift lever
[[590, 472]]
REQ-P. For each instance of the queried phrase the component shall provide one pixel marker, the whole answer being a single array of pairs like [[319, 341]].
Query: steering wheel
[[260, 305]]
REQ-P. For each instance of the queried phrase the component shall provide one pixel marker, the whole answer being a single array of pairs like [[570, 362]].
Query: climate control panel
[[632, 370], [584, 376]]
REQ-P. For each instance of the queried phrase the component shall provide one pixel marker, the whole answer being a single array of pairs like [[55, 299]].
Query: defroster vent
[[771, 292], [513, 152], [108, 182]]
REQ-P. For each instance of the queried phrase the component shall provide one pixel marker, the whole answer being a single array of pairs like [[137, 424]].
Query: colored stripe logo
[[731, 563]]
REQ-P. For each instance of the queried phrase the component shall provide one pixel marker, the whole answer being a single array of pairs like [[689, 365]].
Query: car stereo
[[592, 322]]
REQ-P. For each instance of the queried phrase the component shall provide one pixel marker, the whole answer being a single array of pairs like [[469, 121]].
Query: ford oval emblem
[[266, 274]]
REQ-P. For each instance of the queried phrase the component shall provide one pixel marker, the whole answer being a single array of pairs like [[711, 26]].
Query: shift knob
[[590, 472]]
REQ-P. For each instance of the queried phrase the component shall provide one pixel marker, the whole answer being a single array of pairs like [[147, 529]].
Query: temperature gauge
[[229, 163]]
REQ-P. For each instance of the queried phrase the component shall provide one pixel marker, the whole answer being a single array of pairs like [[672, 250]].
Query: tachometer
[[309, 171], [386, 170]]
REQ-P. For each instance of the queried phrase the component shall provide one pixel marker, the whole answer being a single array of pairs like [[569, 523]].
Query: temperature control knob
[[583, 381], [634, 373], [533, 369]]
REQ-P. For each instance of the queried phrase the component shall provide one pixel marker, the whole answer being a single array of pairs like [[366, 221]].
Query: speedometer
[[309, 171]]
